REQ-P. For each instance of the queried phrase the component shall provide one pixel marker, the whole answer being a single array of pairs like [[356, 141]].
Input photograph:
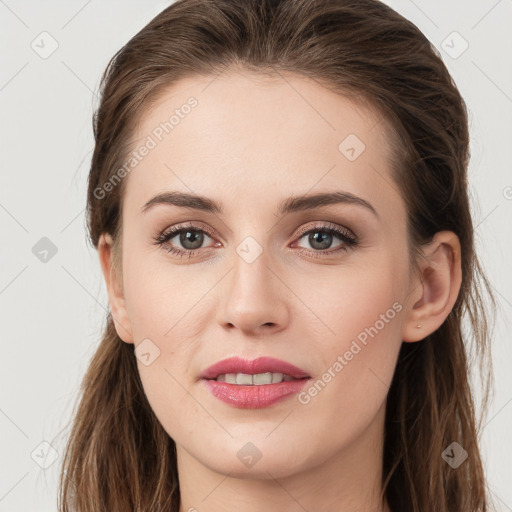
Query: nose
[[255, 298]]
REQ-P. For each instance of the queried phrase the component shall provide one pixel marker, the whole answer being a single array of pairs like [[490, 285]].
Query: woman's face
[[262, 275]]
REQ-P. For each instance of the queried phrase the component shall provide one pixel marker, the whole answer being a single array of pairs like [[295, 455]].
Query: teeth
[[277, 377], [242, 378], [258, 379], [230, 378], [265, 378]]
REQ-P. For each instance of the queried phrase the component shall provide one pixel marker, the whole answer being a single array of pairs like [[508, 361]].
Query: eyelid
[[302, 231], [192, 225], [325, 225], [339, 231]]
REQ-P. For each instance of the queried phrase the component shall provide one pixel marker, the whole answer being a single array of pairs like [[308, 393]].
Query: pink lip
[[253, 397], [259, 365]]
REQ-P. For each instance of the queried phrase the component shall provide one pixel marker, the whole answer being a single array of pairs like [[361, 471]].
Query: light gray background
[[52, 313]]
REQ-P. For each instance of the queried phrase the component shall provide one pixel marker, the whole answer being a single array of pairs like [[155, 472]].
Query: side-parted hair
[[119, 457]]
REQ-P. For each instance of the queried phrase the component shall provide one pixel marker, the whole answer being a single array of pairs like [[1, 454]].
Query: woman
[[278, 196]]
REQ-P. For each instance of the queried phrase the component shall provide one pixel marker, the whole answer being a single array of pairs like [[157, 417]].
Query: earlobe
[[435, 290], [114, 288]]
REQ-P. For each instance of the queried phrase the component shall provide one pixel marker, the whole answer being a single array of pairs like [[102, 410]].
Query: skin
[[251, 142]]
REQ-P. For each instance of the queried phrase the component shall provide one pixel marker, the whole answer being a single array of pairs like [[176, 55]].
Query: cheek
[[158, 294], [164, 308], [353, 301], [362, 312]]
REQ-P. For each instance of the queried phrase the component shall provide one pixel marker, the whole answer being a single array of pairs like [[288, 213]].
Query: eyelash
[[346, 236]]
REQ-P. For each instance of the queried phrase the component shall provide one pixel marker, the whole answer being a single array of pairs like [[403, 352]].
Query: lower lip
[[253, 397]]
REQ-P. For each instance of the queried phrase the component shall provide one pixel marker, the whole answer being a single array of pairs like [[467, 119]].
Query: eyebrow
[[289, 205]]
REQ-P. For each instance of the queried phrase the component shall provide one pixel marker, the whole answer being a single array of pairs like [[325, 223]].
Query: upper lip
[[254, 366]]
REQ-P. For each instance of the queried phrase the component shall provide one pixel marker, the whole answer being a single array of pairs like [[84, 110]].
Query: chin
[[268, 469], [262, 460]]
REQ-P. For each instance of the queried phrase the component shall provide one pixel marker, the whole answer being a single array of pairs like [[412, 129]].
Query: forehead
[[245, 132]]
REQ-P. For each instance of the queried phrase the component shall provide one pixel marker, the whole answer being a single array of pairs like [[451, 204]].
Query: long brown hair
[[118, 456]]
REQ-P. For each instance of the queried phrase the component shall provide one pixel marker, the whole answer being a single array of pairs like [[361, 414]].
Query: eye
[[190, 237], [321, 238]]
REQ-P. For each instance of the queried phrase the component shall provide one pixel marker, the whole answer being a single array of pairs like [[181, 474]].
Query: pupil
[[313, 240], [191, 236]]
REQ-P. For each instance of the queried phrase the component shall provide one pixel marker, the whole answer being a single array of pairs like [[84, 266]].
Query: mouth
[[252, 384], [264, 370], [258, 379]]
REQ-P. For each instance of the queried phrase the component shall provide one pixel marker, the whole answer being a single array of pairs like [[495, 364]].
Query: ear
[[114, 288], [434, 291]]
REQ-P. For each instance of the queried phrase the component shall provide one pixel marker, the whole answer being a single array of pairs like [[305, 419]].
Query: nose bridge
[[252, 296], [251, 268]]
